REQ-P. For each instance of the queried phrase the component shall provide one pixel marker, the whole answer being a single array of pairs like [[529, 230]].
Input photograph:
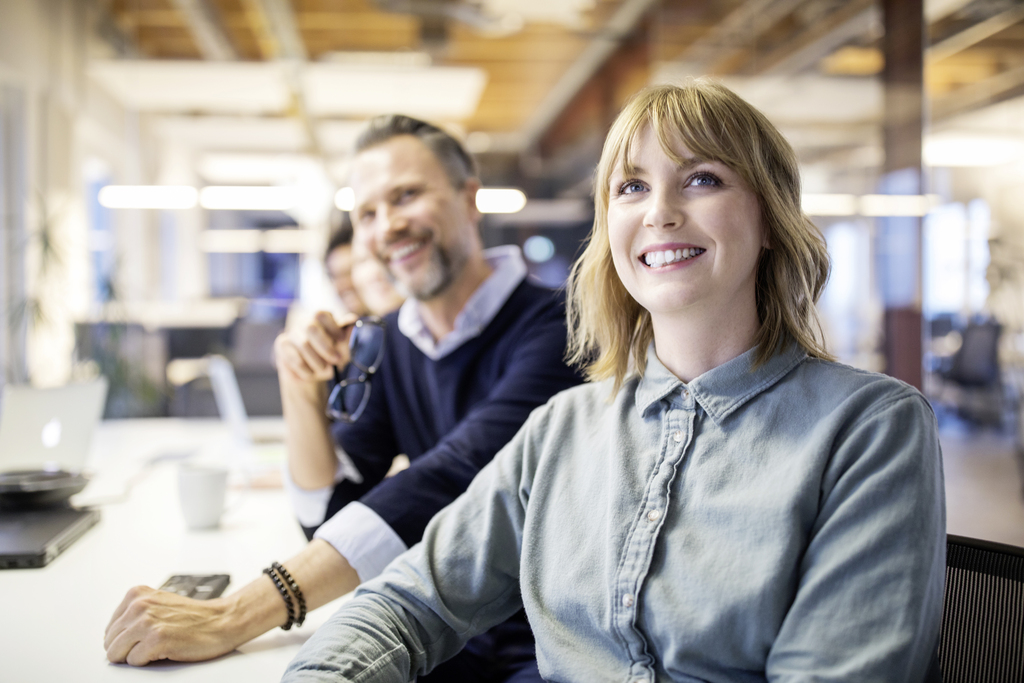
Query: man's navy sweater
[[451, 416]]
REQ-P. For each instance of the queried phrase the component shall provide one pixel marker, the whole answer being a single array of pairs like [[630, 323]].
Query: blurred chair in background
[[249, 348], [971, 379]]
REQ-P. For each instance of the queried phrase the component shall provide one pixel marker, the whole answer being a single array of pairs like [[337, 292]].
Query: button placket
[[643, 536]]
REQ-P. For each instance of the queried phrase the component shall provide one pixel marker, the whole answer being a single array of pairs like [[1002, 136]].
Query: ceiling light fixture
[[972, 150], [248, 197], [500, 200], [829, 204], [231, 241], [893, 205], [147, 197], [345, 199]]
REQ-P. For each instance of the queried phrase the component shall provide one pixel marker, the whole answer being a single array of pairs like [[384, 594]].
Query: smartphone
[[198, 586]]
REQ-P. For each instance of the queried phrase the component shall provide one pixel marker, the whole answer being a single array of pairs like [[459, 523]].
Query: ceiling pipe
[[206, 30], [615, 32]]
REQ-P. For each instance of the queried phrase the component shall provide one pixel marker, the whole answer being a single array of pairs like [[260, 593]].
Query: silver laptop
[[228, 397], [49, 429]]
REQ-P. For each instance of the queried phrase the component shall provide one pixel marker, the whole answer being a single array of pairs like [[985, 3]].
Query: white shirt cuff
[[362, 538], [310, 505]]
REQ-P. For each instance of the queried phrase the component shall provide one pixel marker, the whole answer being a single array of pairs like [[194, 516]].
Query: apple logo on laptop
[[51, 433]]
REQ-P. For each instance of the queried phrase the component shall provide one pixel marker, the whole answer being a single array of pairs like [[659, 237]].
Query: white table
[[52, 619]]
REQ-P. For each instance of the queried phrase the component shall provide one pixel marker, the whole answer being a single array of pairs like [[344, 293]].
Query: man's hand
[[311, 355], [149, 625]]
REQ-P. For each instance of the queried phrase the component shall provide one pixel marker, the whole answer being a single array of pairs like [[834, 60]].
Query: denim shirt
[[783, 523]]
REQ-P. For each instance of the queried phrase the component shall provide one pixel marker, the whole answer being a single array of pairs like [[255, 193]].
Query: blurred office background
[[170, 171]]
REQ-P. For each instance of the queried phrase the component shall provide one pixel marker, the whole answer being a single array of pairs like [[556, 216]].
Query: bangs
[[691, 124]]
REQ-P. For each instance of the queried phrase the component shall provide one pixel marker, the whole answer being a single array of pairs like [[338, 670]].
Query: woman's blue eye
[[630, 187], [705, 180]]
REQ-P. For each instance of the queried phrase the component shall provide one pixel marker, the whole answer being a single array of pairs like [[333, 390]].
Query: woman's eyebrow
[[689, 162]]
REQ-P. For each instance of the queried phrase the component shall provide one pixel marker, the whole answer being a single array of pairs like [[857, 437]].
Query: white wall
[[44, 50]]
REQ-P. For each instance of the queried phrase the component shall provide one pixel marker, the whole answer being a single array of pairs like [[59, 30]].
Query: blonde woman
[[724, 502]]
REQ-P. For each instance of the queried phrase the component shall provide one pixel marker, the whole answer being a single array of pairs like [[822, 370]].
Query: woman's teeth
[[668, 257]]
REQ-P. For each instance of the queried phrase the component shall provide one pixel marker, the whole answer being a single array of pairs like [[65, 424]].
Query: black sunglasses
[[351, 390]]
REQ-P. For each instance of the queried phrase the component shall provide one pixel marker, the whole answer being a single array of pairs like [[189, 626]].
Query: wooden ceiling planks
[[521, 67], [156, 27]]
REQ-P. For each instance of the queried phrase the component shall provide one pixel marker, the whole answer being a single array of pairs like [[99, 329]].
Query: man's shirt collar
[[509, 270]]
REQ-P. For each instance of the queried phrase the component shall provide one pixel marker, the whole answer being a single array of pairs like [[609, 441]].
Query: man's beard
[[442, 269]]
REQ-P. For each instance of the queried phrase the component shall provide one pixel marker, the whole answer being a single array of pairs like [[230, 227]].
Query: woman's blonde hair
[[607, 327]]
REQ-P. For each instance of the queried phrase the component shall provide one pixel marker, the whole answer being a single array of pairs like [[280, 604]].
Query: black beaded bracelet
[[269, 571], [299, 597]]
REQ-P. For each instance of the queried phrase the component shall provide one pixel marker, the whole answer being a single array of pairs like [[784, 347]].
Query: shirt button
[[677, 436], [627, 600], [686, 392], [654, 515]]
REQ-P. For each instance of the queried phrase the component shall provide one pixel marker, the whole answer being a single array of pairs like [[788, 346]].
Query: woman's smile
[[662, 257]]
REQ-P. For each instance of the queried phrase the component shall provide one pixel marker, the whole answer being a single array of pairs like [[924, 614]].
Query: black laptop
[[31, 538], [44, 441]]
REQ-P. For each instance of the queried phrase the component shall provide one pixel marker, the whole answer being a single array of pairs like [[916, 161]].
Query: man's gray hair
[[449, 152]]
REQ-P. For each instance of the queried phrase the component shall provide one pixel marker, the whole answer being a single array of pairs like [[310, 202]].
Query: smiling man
[[472, 351]]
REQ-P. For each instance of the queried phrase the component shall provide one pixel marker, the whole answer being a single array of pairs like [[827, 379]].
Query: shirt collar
[[508, 271], [719, 391]]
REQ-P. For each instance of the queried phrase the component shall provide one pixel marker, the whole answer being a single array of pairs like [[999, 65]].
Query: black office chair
[[976, 364], [982, 638], [974, 374]]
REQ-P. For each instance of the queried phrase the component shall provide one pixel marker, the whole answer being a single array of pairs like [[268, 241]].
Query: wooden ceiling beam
[[206, 29], [739, 29], [623, 23], [316, 22], [973, 35], [1002, 86], [852, 20], [273, 22]]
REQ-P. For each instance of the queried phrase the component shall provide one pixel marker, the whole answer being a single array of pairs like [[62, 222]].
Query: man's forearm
[[311, 458], [320, 572], [149, 624]]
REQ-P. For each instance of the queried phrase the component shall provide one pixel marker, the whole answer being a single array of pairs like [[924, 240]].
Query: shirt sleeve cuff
[[362, 538], [310, 505]]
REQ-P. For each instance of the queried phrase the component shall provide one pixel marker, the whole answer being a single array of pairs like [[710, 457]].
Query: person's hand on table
[[150, 625], [311, 355]]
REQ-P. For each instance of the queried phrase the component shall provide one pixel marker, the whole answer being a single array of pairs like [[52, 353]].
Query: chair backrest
[[982, 635], [977, 361]]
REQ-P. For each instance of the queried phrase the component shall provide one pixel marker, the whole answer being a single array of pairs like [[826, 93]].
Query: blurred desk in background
[[53, 618]]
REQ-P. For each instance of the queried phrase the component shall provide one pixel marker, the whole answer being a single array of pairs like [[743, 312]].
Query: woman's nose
[[664, 211]]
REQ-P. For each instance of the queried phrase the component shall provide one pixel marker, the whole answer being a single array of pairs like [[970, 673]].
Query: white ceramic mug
[[201, 489]]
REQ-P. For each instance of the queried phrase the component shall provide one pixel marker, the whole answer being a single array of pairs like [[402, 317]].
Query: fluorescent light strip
[[500, 200], [488, 199], [248, 197], [231, 241], [288, 241], [147, 197], [829, 204], [873, 205], [894, 205]]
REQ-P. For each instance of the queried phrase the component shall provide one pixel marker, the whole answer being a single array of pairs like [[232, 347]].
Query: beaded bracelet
[[299, 597], [269, 571]]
